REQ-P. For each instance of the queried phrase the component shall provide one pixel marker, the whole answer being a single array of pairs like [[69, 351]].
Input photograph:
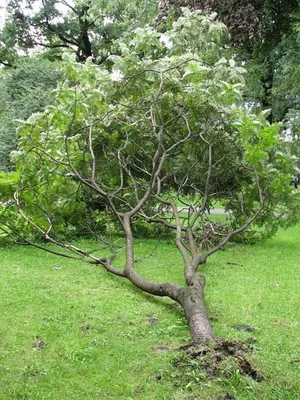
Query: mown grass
[[99, 337]]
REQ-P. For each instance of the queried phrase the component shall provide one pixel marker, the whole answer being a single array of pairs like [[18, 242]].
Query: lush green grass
[[101, 338]]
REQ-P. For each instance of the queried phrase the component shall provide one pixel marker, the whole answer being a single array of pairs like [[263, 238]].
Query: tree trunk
[[84, 44], [267, 84], [193, 303]]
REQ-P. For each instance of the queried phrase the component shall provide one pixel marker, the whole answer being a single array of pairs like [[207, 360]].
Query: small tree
[[165, 123]]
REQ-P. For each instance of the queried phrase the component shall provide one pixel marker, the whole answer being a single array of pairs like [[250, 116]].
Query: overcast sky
[[2, 11], [3, 3], [60, 7]]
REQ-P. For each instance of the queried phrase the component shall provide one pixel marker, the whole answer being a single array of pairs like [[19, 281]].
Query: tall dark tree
[[258, 29], [88, 28]]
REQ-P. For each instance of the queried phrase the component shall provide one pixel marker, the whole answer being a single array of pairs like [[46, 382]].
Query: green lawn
[[98, 336]]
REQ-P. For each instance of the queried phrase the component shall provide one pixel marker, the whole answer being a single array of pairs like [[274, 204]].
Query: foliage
[[94, 130], [23, 91], [265, 38], [241, 18], [287, 80], [88, 28]]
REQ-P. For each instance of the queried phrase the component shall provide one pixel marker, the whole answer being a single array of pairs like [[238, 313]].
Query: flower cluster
[[166, 41], [116, 75]]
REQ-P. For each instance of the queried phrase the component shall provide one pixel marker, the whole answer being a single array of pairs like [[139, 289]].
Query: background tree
[[143, 134], [24, 91], [36, 32], [88, 28], [264, 34], [262, 31]]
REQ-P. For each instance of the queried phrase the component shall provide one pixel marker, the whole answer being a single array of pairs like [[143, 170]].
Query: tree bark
[[192, 301], [84, 44], [191, 298]]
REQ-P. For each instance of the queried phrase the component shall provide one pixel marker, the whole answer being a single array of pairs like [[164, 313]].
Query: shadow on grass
[[163, 302]]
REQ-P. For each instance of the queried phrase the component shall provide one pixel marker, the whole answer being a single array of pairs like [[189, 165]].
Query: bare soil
[[216, 360], [222, 358]]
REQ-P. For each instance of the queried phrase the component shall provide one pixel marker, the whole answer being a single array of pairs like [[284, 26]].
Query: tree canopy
[[263, 33], [88, 28], [36, 33]]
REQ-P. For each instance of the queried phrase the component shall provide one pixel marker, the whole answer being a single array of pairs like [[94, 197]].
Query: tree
[[86, 27], [24, 91], [166, 122], [241, 17], [260, 31]]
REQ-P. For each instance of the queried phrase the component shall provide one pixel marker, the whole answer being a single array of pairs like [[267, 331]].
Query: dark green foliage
[[23, 91], [249, 168], [265, 35], [86, 28]]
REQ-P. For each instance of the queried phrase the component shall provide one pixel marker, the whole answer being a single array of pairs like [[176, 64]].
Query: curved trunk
[[191, 298], [193, 303]]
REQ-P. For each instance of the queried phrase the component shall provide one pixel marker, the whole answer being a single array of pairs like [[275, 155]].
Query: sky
[[2, 11], [3, 4]]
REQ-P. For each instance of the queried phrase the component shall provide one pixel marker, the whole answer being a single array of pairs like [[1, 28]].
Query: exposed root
[[222, 358]]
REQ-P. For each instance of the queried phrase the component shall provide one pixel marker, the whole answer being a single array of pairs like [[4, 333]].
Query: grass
[[99, 338], [185, 200]]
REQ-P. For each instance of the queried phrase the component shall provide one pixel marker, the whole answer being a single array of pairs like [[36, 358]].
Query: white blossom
[[107, 21], [287, 135], [116, 75], [166, 41]]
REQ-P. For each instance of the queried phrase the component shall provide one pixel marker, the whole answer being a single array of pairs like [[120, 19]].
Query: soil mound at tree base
[[221, 359]]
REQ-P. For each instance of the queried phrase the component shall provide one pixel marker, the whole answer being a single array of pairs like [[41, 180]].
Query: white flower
[[107, 21], [116, 75], [166, 41], [288, 137]]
